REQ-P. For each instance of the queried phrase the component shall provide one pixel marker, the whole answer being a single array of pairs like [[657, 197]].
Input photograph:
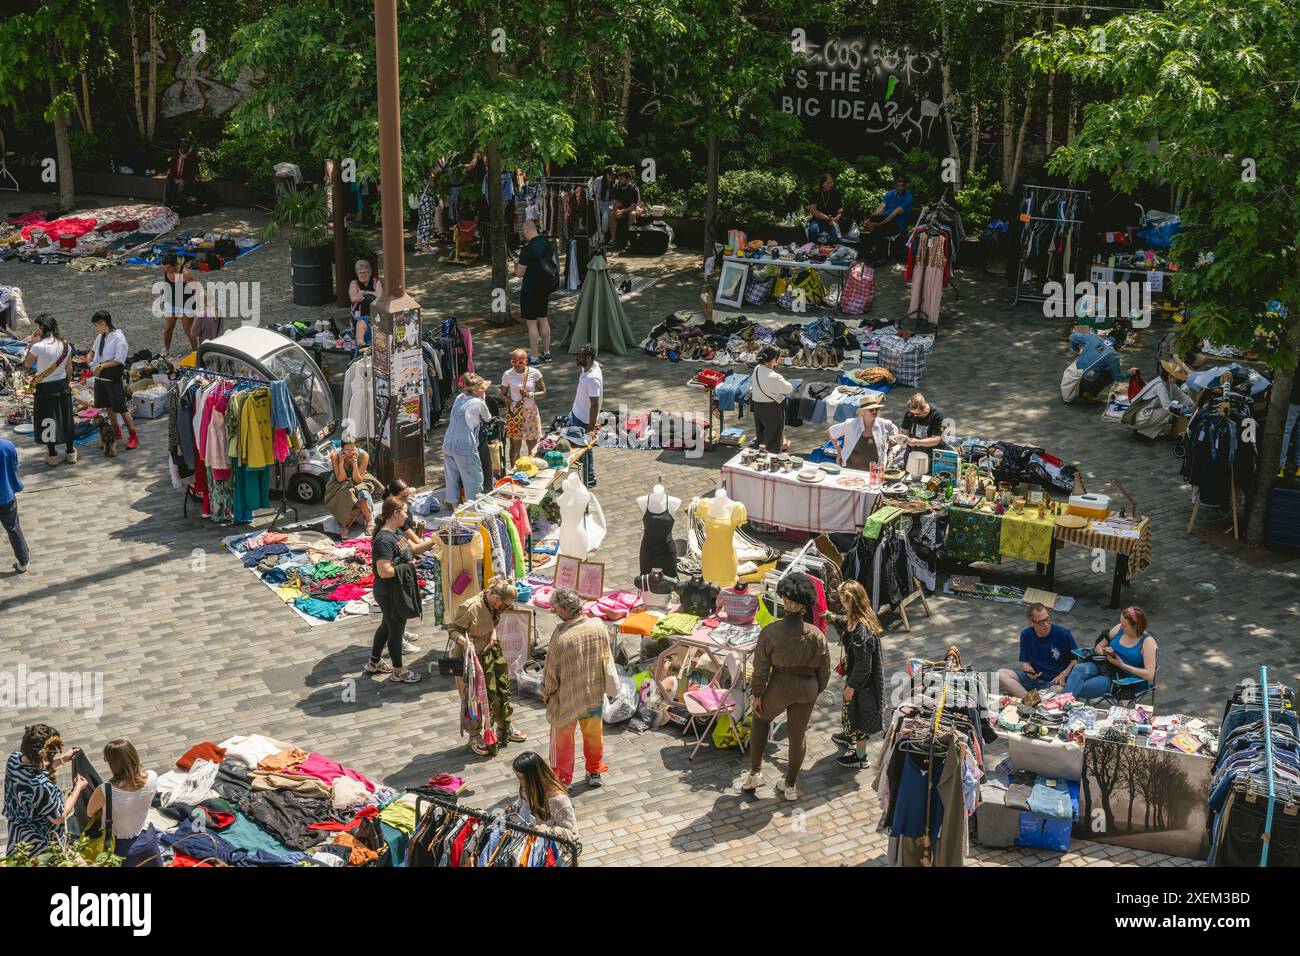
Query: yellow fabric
[[255, 434], [756, 576], [718, 563], [289, 592], [764, 617], [1026, 536], [487, 555]]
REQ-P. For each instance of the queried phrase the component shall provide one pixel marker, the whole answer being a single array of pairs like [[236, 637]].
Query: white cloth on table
[[780, 498]]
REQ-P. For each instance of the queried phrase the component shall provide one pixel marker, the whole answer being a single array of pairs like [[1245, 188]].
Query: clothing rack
[[918, 593], [450, 804], [801, 561], [279, 465], [1268, 754], [1224, 404], [1037, 194]]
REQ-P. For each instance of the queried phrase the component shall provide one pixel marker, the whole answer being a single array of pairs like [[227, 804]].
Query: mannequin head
[[719, 504]]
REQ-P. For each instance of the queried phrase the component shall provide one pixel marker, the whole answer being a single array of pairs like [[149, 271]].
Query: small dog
[[107, 435]]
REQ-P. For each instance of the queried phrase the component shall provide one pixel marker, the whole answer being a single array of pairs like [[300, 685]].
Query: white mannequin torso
[[720, 505], [658, 500], [582, 522]]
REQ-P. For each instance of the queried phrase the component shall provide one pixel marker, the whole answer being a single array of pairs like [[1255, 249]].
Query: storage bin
[[1048, 833], [1090, 505]]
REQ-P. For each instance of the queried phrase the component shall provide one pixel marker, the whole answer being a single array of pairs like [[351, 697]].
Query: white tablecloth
[[778, 498]]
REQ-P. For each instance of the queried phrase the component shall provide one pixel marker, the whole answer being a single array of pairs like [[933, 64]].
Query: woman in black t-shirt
[[923, 424], [390, 548]]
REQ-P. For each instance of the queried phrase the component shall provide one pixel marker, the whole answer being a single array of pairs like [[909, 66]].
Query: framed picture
[[591, 580], [566, 571], [515, 634], [731, 284]]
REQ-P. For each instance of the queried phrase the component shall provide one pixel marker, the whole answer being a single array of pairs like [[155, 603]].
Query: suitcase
[[647, 241]]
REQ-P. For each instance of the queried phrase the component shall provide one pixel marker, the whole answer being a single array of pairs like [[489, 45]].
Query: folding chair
[[707, 704], [1130, 691]]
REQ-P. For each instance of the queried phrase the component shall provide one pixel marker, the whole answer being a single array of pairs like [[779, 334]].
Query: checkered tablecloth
[[1137, 549], [783, 500]]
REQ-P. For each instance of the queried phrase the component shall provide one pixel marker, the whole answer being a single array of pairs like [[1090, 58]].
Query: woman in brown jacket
[[792, 665]]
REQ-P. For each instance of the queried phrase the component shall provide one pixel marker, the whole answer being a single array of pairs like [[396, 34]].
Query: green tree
[[42, 49], [1204, 95]]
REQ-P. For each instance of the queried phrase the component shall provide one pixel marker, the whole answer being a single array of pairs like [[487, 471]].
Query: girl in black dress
[[864, 679]]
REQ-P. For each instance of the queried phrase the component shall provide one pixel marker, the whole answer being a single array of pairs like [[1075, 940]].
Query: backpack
[[550, 269]]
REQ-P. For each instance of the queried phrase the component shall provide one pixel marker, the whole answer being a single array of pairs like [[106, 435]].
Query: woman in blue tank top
[[1130, 651]]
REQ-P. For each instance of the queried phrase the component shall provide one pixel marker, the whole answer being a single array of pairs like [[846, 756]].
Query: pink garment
[[347, 592], [469, 350], [362, 546], [518, 512], [322, 768], [280, 443], [819, 608], [216, 455]]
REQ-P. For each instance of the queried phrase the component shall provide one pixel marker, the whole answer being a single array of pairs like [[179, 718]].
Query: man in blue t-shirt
[[1099, 358], [889, 220], [1046, 656]]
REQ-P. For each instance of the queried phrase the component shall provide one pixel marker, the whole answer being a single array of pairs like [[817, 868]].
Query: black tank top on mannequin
[[657, 549]]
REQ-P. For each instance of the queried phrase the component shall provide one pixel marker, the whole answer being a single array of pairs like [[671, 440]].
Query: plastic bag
[[620, 708]]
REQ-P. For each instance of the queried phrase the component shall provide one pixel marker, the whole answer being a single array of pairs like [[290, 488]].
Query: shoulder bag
[[99, 832]]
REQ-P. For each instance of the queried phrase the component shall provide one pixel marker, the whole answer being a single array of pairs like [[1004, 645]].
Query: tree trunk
[[945, 80], [342, 267], [1074, 111], [496, 228], [625, 96], [135, 70], [1270, 442], [153, 75], [711, 198], [1051, 86], [1007, 129], [1020, 143], [85, 95], [62, 149], [974, 133]]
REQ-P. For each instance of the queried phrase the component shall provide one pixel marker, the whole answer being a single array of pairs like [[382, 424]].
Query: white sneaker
[[408, 643], [788, 792], [751, 782]]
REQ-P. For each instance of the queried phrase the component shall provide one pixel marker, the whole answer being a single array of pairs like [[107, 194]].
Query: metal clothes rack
[[279, 465], [1075, 224], [573, 847], [917, 593], [1267, 835], [802, 560]]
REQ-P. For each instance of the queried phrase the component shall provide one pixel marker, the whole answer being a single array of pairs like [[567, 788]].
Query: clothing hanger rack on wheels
[[572, 848], [279, 465], [889, 526]]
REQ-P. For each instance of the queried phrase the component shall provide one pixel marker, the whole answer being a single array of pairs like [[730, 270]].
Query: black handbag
[[449, 664]]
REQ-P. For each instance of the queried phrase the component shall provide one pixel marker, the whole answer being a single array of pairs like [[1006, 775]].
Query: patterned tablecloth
[[1138, 550], [781, 499]]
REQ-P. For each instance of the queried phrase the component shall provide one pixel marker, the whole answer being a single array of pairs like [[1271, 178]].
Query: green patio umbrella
[[599, 317]]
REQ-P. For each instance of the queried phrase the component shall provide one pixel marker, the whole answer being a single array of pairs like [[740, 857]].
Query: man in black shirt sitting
[[826, 206], [626, 206], [923, 424]]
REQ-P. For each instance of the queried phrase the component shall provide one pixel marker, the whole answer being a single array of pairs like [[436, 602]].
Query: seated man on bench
[[625, 208]]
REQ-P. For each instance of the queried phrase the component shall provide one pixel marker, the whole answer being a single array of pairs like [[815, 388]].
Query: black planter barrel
[[313, 275]]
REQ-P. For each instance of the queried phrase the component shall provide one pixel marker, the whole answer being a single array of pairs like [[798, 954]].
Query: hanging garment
[[658, 553], [718, 563]]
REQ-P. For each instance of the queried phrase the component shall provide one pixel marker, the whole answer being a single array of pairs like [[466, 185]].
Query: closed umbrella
[[599, 317]]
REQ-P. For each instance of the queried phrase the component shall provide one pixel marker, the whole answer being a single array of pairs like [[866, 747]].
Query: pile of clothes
[[820, 343], [43, 237], [256, 801]]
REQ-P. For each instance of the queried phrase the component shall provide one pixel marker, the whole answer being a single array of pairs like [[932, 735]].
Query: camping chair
[[1130, 691], [706, 705]]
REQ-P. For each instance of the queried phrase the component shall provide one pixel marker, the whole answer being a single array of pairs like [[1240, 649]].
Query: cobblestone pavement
[[190, 649]]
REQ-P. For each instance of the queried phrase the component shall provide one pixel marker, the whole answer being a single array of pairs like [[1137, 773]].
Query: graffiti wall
[[198, 87], [856, 95]]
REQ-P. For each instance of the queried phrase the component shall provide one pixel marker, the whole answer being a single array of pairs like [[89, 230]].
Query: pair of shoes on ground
[[403, 676], [851, 759], [752, 781], [515, 736]]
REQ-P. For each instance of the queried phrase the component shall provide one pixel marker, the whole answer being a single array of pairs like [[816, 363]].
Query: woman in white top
[[107, 360], [521, 386], [767, 391], [51, 357], [543, 800], [866, 439], [133, 792]]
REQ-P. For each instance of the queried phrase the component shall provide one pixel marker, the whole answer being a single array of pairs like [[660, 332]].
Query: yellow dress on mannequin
[[718, 563]]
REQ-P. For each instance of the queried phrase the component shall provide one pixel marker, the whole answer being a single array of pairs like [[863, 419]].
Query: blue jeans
[[589, 459], [821, 231], [1086, 682], [1292, 416], [464, 472]]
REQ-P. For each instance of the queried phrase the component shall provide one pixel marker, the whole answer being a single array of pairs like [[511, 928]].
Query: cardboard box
[[151, 403]]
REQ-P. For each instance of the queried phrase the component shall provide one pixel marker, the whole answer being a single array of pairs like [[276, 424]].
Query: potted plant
[[304, 213]]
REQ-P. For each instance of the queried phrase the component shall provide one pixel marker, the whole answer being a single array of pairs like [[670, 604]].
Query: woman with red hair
[[1130, 651]]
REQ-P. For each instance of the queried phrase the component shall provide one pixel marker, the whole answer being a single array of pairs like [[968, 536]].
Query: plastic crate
[[1048, 833]]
